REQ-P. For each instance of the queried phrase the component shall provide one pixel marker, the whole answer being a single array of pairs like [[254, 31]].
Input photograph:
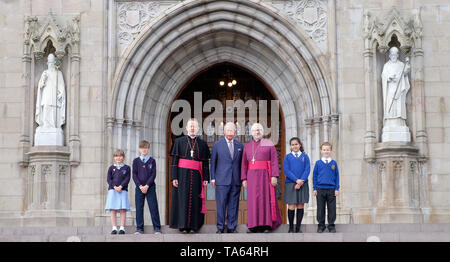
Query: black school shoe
[[121, 232], [114, 232]]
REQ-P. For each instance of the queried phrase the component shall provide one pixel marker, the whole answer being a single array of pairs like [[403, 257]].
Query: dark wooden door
[[248, 87]]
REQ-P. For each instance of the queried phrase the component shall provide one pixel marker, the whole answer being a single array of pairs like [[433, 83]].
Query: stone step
[[345, 233]]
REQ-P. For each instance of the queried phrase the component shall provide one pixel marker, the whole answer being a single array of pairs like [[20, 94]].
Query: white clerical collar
[[329, 159], [228, 141], [257, 140]]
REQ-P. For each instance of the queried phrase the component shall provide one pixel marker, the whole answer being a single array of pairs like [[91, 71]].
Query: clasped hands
[[299, 184], [144, 189], [118, 188]]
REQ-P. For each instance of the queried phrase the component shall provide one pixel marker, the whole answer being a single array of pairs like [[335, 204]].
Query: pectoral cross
[[192, 153], [253, 160]]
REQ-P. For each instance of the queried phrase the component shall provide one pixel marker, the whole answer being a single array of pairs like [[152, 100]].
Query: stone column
[[326, 128], [27, 127], [73, 116], [369, 88], [308, 125], [138, 125], [418, 103], [128, 126], [335, 133], [316, 145], [310, 210], [119, 127]]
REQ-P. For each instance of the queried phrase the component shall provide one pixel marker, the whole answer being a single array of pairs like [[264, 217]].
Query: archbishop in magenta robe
[[259, 183]]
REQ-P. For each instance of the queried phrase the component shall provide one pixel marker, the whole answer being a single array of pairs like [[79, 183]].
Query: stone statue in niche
[[395, 86], [50, 106]]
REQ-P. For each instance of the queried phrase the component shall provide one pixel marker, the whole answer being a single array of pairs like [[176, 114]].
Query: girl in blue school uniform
[[296, 167], [118, 178]]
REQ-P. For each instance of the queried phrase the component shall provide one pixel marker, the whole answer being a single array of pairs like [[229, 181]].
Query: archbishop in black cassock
[[185, 212]]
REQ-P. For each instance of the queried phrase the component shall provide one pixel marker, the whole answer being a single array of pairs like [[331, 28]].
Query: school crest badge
[[303, 159], [333, 167], [124, 172]]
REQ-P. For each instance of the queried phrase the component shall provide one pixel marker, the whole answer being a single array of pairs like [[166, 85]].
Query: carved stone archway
[[195, 35]]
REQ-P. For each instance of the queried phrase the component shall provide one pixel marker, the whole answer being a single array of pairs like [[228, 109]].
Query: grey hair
[[255, 126], [229, 124]]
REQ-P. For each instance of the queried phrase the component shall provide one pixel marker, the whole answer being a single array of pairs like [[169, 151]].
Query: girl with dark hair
[[296, 167]]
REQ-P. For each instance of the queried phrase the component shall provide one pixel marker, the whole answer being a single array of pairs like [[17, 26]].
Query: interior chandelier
[[228, 79]]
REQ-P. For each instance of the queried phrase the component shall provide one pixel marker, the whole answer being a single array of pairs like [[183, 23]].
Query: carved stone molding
[[378, 28], [49, 179], [311, 15], [380, 25], [132, 16], [64, 34], [398, 187], [61, 30]]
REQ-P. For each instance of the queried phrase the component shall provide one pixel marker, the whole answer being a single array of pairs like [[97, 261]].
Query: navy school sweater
[[144, 173], [118, 177], [326, 175]]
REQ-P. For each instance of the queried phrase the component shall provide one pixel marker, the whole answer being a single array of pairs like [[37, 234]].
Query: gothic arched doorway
[[172, 50], [206, 85]]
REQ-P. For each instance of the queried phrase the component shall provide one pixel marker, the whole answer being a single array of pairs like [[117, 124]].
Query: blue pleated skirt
[[116, 200]]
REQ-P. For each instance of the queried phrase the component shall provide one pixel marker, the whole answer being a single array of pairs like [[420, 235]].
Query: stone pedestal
[[48, 185], [395, 130], [398, 187], [48, 137]]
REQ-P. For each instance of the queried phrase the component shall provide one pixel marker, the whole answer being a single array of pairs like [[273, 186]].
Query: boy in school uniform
[[144, 174], [326, 187]]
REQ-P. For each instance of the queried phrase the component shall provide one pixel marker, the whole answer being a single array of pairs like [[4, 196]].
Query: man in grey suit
[[225, 172]]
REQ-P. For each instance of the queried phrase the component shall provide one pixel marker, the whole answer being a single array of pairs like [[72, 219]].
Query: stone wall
[[87, 180], [357, 183], [100, 51], [11, 104]]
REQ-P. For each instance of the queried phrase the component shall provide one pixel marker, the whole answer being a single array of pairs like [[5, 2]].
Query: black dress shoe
[[320, 230], [332, 230], [219, 231], [291, 229], [121, 232], [249, 230], [231, 231], [114, 232], [184, 231], [266, 231]]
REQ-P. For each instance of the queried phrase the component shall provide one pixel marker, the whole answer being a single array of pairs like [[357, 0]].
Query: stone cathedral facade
[[124, 62]]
